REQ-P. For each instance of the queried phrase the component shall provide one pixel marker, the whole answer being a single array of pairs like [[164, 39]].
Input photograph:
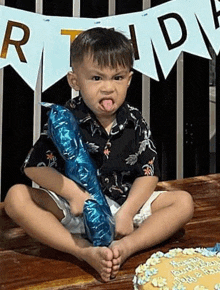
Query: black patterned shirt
[[121, 156]]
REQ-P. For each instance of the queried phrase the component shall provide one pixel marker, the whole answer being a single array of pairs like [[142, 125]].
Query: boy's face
[[103, 89]]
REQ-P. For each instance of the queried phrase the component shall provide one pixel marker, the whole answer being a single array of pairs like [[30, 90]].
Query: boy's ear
[[72, 80], [130, 77]]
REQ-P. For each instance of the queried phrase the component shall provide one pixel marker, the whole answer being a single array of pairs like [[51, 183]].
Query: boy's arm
[[140, 192], [49, 178]]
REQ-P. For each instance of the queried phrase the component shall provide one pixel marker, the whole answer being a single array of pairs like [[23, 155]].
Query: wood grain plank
[[27, 264]]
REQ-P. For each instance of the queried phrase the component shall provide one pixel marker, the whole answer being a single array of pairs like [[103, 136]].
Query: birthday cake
[[179, 269]]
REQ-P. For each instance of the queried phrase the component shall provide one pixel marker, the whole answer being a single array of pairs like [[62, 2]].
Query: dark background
[[18, 103]]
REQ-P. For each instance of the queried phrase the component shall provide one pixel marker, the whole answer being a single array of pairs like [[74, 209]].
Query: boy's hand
[[73, 208], [77, 203], [123, 224]]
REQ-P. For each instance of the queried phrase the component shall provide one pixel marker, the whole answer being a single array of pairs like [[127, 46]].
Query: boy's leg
[[170, 211], [36, 212]]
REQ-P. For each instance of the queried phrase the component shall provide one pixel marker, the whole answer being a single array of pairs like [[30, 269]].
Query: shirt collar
[[85, 115]]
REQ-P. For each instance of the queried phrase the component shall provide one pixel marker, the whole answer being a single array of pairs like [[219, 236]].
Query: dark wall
[[196, 116]]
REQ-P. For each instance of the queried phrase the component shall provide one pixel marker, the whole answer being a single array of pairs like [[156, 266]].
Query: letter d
[[162, 19]]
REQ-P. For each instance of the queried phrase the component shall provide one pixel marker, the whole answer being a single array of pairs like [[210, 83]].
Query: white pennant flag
[[135, 27], [22, 42], [174, 29], [59, 33], [208, 15]]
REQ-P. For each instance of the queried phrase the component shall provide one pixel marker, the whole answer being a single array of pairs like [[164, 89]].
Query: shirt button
[[107, 180]]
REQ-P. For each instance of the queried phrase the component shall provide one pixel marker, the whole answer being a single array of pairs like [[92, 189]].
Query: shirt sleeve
[[44, 154], [147, 154]]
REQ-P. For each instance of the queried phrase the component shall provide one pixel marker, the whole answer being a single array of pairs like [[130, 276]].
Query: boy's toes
[[107, 265], [115, 270], [107, 254], [116, 257], [105, 275]]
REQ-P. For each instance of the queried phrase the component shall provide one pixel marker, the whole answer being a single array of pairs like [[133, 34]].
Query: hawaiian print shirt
[[120, 157]]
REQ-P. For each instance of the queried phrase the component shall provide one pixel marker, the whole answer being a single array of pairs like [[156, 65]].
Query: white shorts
[[75, 224]]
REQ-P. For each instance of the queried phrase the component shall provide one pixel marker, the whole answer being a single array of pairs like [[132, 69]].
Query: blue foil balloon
[[216, 248], [64, 131]]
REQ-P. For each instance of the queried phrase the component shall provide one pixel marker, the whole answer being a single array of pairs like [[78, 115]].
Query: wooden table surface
[[27, 264]]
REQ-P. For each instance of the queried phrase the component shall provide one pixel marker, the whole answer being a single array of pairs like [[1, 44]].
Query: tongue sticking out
[[107, 105]]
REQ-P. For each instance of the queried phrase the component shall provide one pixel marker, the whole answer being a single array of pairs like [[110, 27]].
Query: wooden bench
[[27, 264]]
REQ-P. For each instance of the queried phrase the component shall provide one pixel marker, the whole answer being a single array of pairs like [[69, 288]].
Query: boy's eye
[[118, 78], [96, 78]]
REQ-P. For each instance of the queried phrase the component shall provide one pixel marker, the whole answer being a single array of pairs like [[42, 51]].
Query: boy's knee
[[186, 203], [14, 199]]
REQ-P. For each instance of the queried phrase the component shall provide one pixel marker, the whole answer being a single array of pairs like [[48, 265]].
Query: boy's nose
[[108, 86]]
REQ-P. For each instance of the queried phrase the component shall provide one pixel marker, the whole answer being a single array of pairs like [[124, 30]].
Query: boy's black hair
[[106, 46]]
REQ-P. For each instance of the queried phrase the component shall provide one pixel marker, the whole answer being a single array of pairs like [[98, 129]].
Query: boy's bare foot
[[100, 258], [116, 262], [120, 254]]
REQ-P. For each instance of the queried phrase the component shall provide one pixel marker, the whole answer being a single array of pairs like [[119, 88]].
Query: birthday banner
[[29, 39]]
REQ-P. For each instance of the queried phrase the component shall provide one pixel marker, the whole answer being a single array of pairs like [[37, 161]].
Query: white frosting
[[145, 272]]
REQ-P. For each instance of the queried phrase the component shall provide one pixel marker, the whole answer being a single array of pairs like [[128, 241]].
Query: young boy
[[120, 145]]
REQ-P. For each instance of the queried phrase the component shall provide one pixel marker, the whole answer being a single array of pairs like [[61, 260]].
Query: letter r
[[16, 43]]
